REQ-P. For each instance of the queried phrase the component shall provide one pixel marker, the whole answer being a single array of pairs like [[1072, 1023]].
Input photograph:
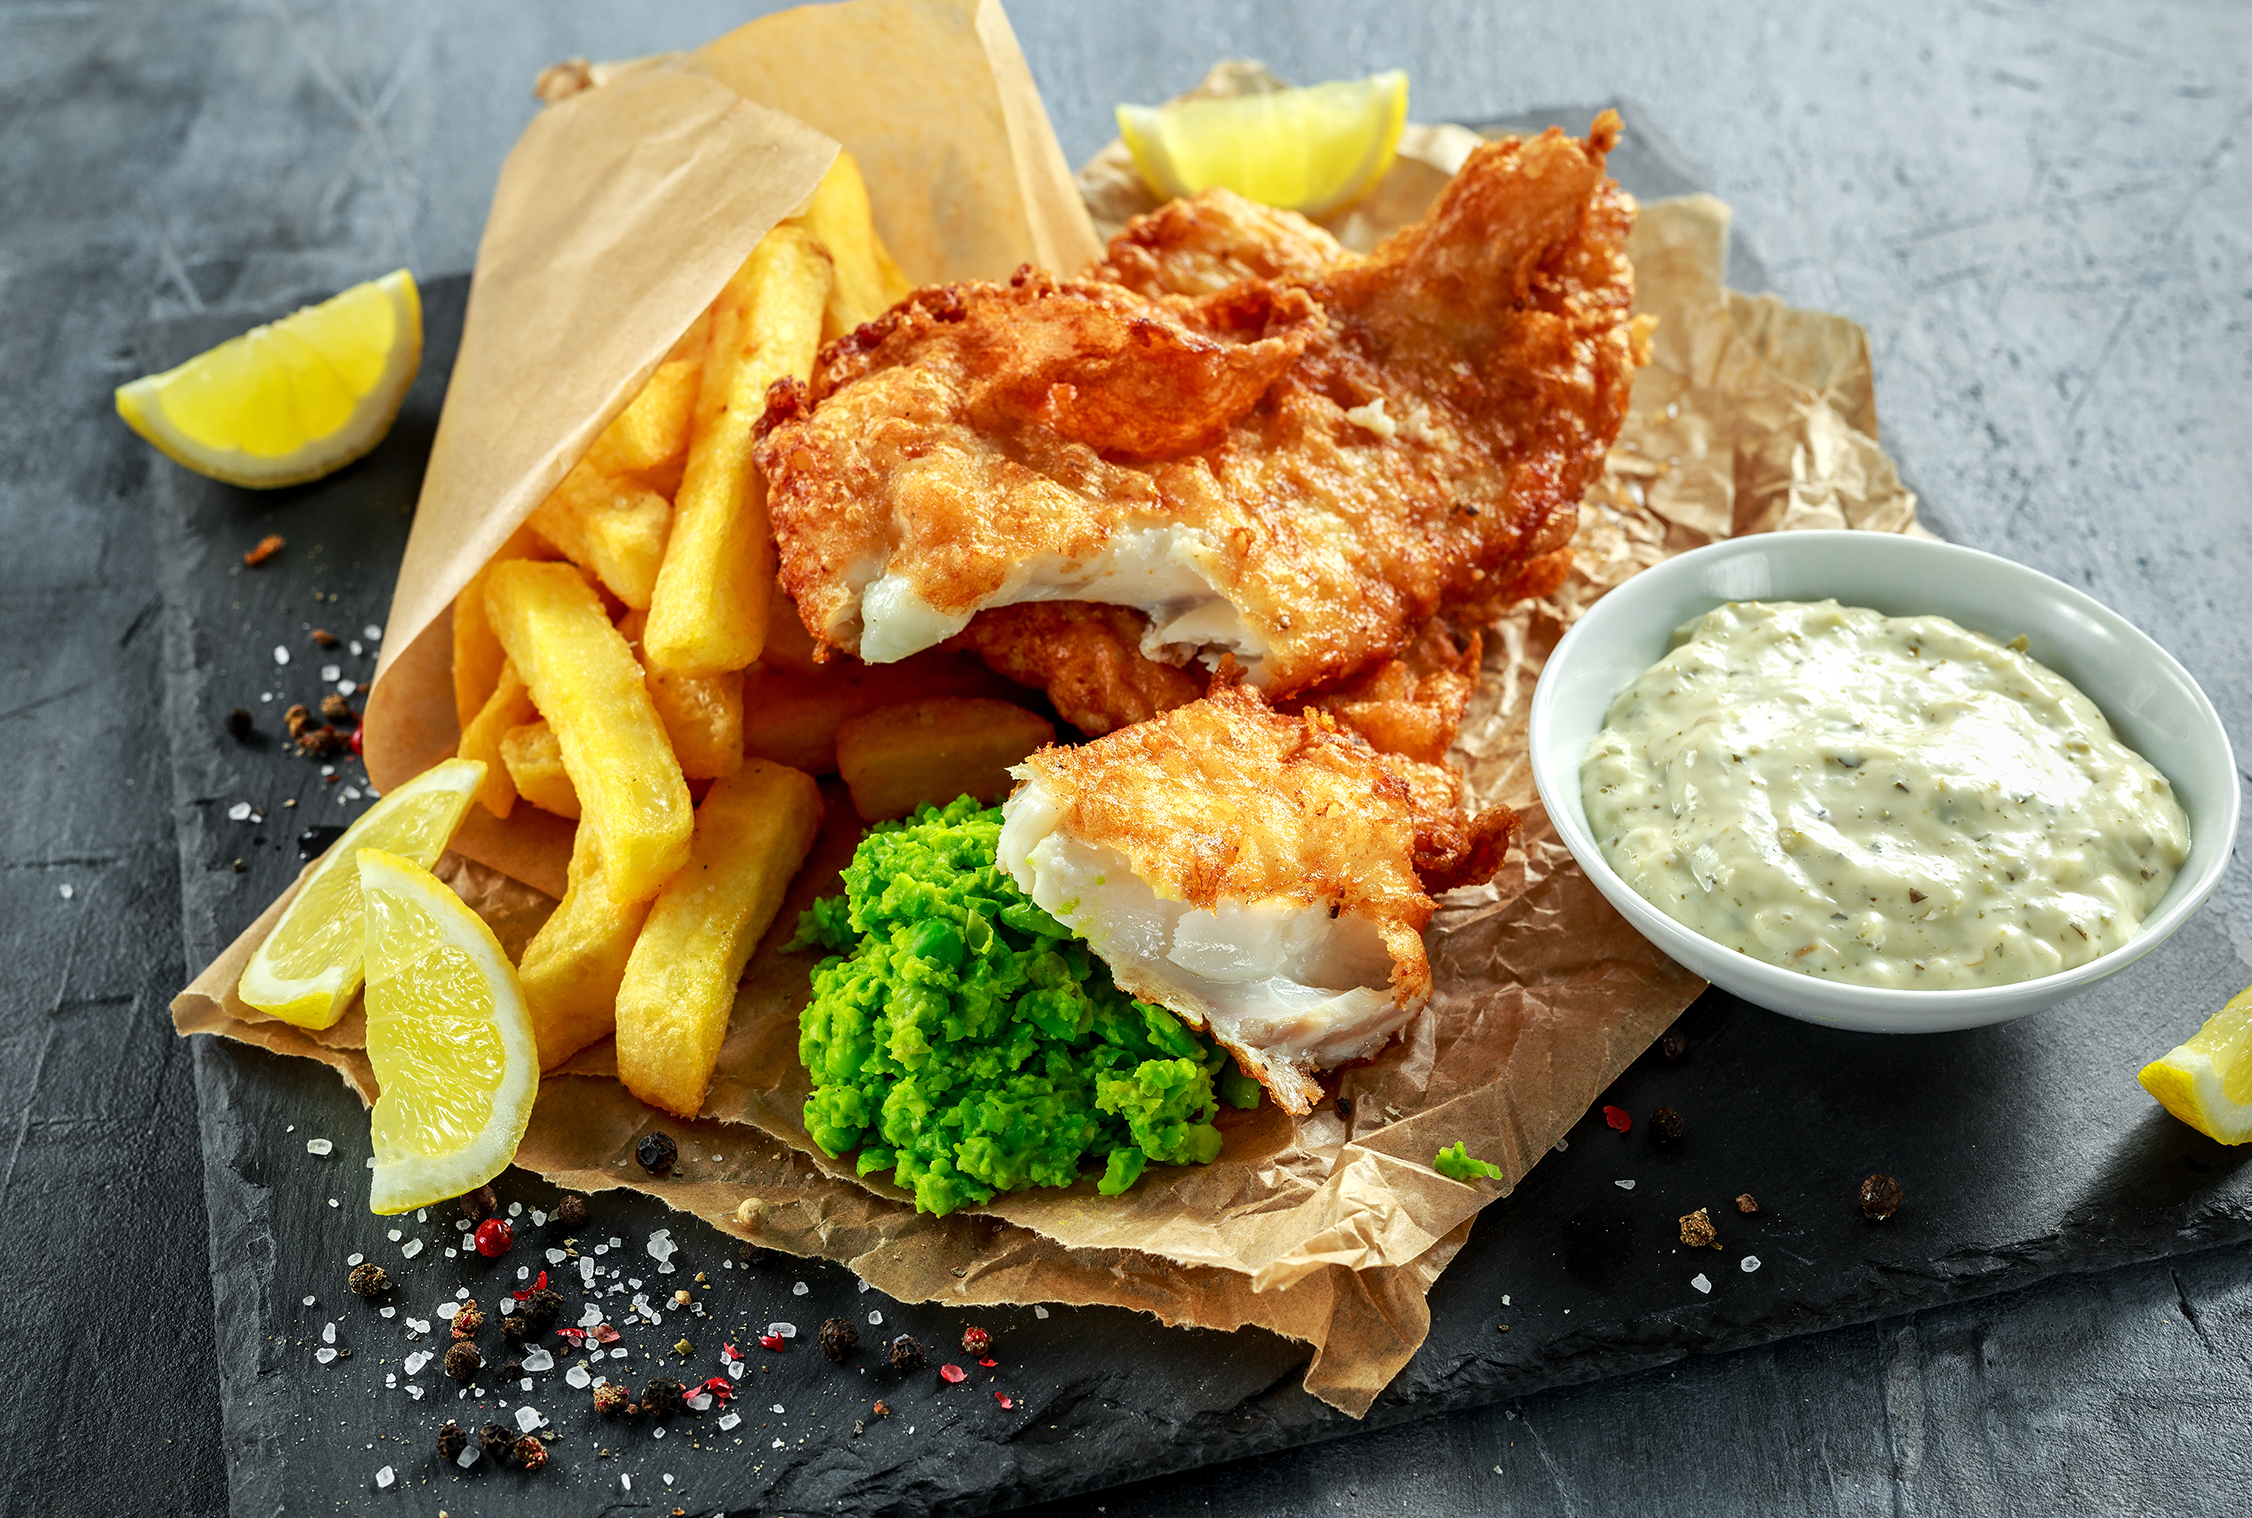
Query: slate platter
[[2024, 1150]]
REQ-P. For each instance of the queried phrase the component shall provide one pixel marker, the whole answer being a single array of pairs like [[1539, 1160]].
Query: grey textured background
[[2040, 213]]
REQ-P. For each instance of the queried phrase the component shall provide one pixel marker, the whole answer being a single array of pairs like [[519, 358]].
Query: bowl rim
[[1790, 991]]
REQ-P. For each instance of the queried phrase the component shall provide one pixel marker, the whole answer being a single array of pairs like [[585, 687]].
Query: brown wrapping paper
[[1752, 417]]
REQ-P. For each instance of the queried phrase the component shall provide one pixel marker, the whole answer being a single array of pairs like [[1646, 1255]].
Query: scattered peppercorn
[[905, 1355], [1745, 1204], [683, 1348], [495, 1441], [238, 724], [1881, 1197], [321, 741], [571, 1211], [1697, 1230], [858, 1428], [463, 1361], [337, 709], [511, 1370], [494, 1237], [681, 1298], [541, 1309], [880, 1410], [452, 1440], [1673, 1046], [1345, 1107], [657, 1152], [480, 1204], [1616, 1119], [324, 637], [530, 1453], [1666, 1127], [839, 1338], [468, 1320], [299, 721], [976, 1341], [952, 1375], [610, 1399], [662, 1398], [368, 1280], [267, 547]]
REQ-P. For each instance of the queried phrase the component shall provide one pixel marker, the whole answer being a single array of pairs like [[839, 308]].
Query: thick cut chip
[[703, 715], [535, 764], [867, 280], [708, 614], [447, 1034], [586, 683], [478, 655], [650, 437], [793, 718], [509, 706], [572, 966], [752, 833], [309, 966], [896, 758], [612, 528]]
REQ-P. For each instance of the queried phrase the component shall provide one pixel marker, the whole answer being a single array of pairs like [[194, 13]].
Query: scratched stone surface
[[2038, 213]]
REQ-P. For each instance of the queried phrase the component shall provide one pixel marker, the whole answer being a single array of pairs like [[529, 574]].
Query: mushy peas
[[1890, 801]]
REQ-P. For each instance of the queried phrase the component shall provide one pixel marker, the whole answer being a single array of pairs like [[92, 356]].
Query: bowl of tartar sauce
[[1882, 782]]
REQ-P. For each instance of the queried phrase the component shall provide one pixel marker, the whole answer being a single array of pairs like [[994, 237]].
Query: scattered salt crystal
[[461, 1294], [332, 672], [447, 1310], [539, 1359], [539, 1218], [328, 1333], [266, 695], [384, 1478], [615, 1241], [875, 1320], [461, 1225], [591, 1316], [414, 1247], [333, 1202], [523, 1272], [239, 812], [730, 1420], [1505, 1299], [727, 1264], [735, 1369], [415, 1392], [1701, 1283], [1039, 1312], [601, 1249], [556, 1257], [656, 1433], [356, 648], [665, 1269], [281, 653], [468, 1456], [391, 1380], [309, 1301], [528, 1418], [864, 1286], [354, 1259], [578, 1376], [395, 1235], [68, 891], [324, 1355], [372, 633], [388, 1312], [625, 1483], [668, 1477], [369, 1162], [351, 793], [699, 1402], [1562, 1145], [417, 1360], [778, 1407], [515, 1209], [318, 1146], [422, 1214], [778, 1443], [800, 1289], [1748, 1264], [1624, 1185], [419, 1325], [453, 1254], [635, 1283], [783, 1330]]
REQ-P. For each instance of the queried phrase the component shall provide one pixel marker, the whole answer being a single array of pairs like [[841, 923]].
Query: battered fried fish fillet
[[1204, 244], [1086, 656], [1265, 876], [1297, 470]]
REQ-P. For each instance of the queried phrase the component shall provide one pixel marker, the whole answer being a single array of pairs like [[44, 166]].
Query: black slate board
[[2019, 1163]]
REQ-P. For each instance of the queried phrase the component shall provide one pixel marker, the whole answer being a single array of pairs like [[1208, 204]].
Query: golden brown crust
[[1413, 704], [1212, 240], [1087, 657]]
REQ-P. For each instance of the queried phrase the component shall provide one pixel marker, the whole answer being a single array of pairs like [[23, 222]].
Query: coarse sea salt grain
[[539, 1359], [328, 1333], [384, 1478], [735, 1369], [318, 1146], [730, 1420], [414, 1362], [578, 1376], [800, 1289], [414, 1247], [468, 1457], [556, 1257], [1624, 1185], [539, 1218], [864, 1286], [699, 1402], [1039, 1312], [332, 671], [239, 812], [324, 1355], [875, 1320], [656, 1433], [68, 891], [281, 653], [356, 648], [447, 1310], [625, 1483], [528, 1418], [778, 1443], [515, 1209], [333, 1202], [395, 1235], [523, 1272], [1748, 1264], [372, 633], [309, 1301], [419, 1325], [778, 1407], [388, 1312], [591, 1316], [415, 1392], [1702, 1284], [354, 1259], [783, 1330]]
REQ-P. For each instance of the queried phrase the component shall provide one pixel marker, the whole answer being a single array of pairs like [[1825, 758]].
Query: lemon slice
[[2207, 1082], [292, 400], [1313, 150], [309, 966], [448, 1035]]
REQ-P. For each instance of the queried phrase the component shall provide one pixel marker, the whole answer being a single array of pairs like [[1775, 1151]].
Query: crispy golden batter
[[1411, 705], [1213, 240], [1301, 470], [1086, 656]]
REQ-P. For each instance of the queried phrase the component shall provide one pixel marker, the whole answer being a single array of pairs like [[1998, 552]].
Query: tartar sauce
[[1891, 801]]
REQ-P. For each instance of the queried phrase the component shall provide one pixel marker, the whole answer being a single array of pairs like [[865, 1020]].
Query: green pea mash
[[1458, 1163], [969, 1043]]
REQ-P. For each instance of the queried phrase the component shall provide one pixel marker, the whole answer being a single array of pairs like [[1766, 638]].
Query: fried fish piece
[[1088, 658], [1265, 876], [1215, 239], [1299, 470]]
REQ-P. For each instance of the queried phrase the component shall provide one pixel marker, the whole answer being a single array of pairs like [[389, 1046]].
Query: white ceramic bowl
[[2153, 704]]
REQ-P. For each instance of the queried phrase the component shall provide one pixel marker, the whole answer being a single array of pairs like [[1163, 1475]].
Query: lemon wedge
[[293, 400], [448, 1035], [309, 966], [1314, 150], [2207, 1082]]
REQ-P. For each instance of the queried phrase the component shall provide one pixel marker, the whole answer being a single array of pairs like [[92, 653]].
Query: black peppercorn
[[463, 1361], [839, 1338], [663, 1397], [1666, 1127], [368, 1280], [1881, 1197], [571, 1211], [480, 1204], [511, 1370], [451, 1440], [656, 1151], [905, 1355], [540, 1310], [495, 1441], [238, 724], [1673, 1046]]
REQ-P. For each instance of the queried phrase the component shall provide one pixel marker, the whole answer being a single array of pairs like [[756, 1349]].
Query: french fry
[[703, 715], [535, 766], [478, 655], [841, 218], [510, 705], [752, 833], [895, 758], [650, 437], [612, 528], [788, 645], [708, 613], [793, 718], [584, 680], [573, 965]]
